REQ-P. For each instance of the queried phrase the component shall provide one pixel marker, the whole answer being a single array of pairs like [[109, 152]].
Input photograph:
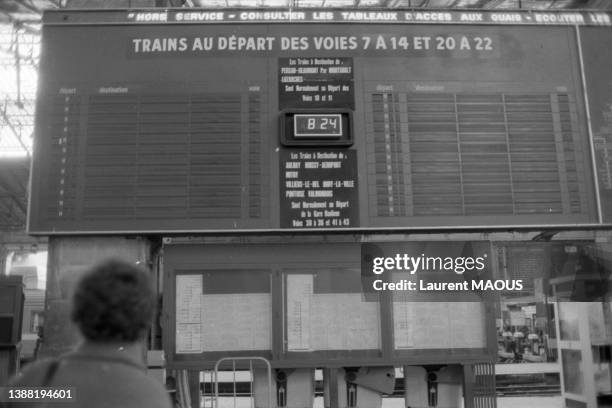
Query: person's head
[[113, 302]]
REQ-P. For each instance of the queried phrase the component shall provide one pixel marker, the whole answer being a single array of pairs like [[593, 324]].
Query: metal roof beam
[[14, 200], [7, 120], [29, 5], [10, 18]]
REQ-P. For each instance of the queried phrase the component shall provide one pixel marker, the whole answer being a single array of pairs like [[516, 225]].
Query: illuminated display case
[[304, 305]]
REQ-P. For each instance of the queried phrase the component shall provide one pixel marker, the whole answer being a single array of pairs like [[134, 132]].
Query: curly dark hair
[[114, 301]]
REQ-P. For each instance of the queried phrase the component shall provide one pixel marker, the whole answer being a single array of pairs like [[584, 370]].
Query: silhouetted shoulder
[[34, 373]]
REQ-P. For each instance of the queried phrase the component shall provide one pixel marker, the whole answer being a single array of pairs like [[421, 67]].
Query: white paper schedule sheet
[[299, 295], [329, 321], [188, 313]]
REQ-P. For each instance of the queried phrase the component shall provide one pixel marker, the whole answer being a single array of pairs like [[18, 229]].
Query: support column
[[331, 387], [415, 386], [360, 387], [193, 376], [291, 388], [3, 254], [468, 385], [69, 258]]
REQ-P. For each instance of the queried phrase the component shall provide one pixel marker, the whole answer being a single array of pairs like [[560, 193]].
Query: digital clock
[[316, 127]]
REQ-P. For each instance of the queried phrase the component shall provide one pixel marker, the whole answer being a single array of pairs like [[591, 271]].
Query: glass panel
[[572, 371], [568, 321], [597, 323], [570, 403], [326, 311]]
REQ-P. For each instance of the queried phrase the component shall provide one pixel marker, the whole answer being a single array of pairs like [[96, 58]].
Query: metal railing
[[250, 361]]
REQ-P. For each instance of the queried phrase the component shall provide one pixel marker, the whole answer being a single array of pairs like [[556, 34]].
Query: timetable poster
[[318, 189]]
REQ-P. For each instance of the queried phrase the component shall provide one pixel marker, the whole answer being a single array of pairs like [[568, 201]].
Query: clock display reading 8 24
[[317, 125]]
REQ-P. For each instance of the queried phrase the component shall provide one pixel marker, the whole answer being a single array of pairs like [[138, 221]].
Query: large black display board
[[597, 50], [148, 126]]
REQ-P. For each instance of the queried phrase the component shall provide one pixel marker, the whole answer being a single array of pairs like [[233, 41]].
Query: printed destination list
[[318, 189]]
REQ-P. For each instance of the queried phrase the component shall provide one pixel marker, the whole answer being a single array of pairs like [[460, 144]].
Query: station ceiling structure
[[20, 49]]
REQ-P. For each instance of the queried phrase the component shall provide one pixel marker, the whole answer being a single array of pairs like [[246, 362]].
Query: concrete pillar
[[68, 258]]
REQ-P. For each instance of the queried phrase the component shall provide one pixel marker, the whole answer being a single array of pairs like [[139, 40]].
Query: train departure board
[[167, 122], [597, 49]]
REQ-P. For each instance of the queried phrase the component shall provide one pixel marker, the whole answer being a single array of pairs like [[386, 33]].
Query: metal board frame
[[387, 19], [197, 258]]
